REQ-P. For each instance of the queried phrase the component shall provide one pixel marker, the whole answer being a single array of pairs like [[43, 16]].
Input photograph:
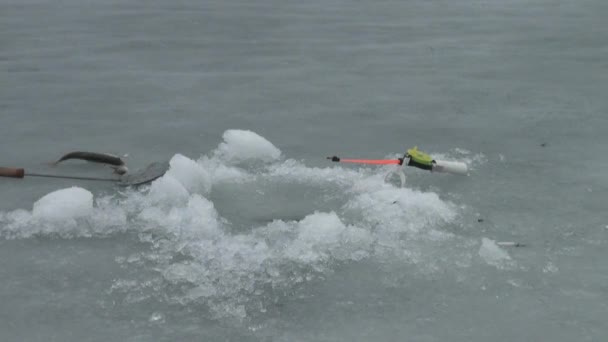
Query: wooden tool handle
[[11, 172]]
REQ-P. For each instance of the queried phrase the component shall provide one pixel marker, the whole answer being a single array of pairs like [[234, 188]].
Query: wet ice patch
[[68, 213], [192, 176], [393, 209], [184, 177], [323, 236], [157, 318], [550, 268], [64, 204], [195, 219], [243, 145], [231, 274], [195, 258], [295, 171], [168, 191], [222, 173], [240, 148], [493, 255]]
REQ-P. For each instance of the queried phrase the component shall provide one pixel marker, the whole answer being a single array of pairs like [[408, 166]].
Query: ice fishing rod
[[20, 173], [413, 158]]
